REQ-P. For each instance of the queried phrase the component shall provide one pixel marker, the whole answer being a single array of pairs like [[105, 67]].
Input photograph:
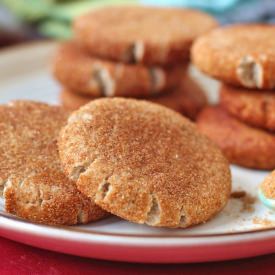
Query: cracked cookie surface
[[188, 99], [31, 178], [87, 75], [144, 163], [242, 55], [148, 35]]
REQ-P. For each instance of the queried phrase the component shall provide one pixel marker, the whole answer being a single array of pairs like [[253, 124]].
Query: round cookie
[[31, 178], [188, 99], [242, 55], [144, 163], [139, 34], [257, 108], [241, 144], [87, 75]]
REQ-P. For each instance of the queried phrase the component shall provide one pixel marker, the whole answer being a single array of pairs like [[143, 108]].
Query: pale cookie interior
[[102, 78], [158, 79], [153, 215], [250, 73], [24, 195], [135, 52]]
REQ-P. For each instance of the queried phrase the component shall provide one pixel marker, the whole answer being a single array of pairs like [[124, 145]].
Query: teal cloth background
[[213, 5], [52, 18]]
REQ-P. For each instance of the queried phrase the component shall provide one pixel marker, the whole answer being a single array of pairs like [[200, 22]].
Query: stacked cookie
[[139, 52], [243, 125], [137, 160]]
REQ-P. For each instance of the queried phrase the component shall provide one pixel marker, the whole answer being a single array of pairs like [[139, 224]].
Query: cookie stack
[[243, 125], [138, 52]]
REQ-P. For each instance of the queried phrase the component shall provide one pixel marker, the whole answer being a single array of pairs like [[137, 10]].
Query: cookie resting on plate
[[31, 178], [145, 163]]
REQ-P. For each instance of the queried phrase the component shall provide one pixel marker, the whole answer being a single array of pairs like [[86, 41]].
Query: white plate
[[241, 230]]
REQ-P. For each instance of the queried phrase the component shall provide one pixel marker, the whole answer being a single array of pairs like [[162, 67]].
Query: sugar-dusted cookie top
[[31, 178], [144, 163], [243, 55], [136, 34]]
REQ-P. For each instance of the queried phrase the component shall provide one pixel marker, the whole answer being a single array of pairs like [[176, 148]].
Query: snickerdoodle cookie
[[140, 34], [188, 99], [33, 184], [257, 108], [87, 75], [268, 186], [241, 144], [144, 163], [242, 55]]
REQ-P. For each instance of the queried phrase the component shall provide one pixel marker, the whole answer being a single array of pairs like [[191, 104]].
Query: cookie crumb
[[248, 203], [246, 199], [265, 222], [238, 194]]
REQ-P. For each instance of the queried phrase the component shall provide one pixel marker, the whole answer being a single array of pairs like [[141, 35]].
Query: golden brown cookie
[[144, 163], [268, 186], [257, 108], [139, 34], [31, 178], [87, 75], [188, 99], [241, 144], [242, 55]]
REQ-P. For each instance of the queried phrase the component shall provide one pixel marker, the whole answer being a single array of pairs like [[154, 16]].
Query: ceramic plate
[[242, 229]]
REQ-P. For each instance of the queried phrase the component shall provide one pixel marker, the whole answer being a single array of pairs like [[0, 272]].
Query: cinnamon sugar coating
[[144, 163], [139, 34], [268, 186], [31, 178], [87, 75], [242, 55]]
